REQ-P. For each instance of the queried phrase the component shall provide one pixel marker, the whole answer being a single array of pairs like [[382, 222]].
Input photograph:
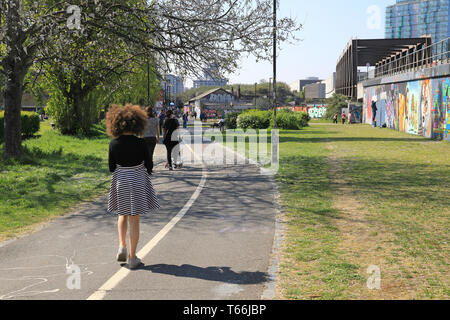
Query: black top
[[374, 106], [129, 151], [170, 125]]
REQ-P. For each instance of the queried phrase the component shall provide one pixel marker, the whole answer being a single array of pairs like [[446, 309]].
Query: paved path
[[220, 249]]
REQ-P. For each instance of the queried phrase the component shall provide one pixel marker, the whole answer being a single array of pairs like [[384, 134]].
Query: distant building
[[217, 102], [330, 85], [417, 18], [210, 78], [174, 85], [315, 91], [299, 84], [216, 98]]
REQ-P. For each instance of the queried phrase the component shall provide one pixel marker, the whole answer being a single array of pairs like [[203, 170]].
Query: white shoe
[[122, 254], [134, 263]]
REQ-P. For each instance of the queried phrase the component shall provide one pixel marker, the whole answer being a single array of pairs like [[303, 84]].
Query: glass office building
[[416, 18]]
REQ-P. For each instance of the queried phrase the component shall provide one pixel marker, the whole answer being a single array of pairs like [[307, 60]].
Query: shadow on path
[[222, 274]]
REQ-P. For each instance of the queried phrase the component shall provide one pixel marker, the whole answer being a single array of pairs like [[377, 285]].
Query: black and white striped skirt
[[131, 192]]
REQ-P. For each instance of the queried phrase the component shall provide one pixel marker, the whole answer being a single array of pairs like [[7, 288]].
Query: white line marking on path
[[123, 272]]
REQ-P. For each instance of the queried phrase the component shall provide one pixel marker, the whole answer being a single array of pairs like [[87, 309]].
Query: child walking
[[131, 193]]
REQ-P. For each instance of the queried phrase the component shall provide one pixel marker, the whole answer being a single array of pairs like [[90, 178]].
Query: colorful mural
[[317, 112], [418, 107], [314, 111]]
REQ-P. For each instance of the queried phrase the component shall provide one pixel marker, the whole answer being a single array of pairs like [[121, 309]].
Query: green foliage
[[289, 120], [263, 103], [230, 120], [286, 119], [254, 119], [62, 109], [30, 124], [133, 88], [335, 105]]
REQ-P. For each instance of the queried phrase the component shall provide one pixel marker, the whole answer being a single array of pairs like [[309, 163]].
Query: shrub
[[254, 119], [230, 120], [335, 105], [30, 124], [289, 120]]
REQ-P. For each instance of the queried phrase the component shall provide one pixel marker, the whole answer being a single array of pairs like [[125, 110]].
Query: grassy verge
[[312, 266], [321, 121], [356, 196], [403, 183], [54, 174]]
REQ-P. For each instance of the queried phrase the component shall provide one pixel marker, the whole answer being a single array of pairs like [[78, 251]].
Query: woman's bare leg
[[122, 226], [134, 235]]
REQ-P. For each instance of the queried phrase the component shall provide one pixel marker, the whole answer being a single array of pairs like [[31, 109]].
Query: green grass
[[402, 181], [320, 121], [400, 185], [54, 174], [312, 266]]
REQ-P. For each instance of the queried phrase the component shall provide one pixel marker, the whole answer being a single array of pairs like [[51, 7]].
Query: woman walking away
[[161, 121], [335, 118], [151, 135], [131, 193], [343, 117], [185, 120], [170, 125]]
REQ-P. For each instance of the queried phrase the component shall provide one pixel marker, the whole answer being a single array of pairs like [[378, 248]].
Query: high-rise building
[[211, 78], [315, 90], [174, 85], [299, 84], [417, 18]]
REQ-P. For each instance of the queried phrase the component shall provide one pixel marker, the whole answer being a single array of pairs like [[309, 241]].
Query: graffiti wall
[[317, 112], [418, 107]]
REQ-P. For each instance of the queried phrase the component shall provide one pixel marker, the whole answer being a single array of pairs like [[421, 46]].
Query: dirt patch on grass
[[365, 243]]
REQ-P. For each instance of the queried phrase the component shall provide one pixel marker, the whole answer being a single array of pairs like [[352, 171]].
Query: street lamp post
[[165, 93], [275, 64], [148, 81], [255, 94], [270, 86]]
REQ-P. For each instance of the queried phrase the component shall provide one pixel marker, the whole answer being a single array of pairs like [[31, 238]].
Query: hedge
[[290, 120], [230, 120], [254, 119], [286, 119], [30, 124]]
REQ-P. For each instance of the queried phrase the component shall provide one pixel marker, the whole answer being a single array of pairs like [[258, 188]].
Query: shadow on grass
[[49, 179]]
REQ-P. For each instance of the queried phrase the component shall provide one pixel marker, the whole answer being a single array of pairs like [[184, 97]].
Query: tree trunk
[[13, 124], [15, 64]]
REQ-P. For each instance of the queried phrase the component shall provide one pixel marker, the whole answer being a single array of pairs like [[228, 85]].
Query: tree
[[23, 26], [263, 103], [186, 35], [335, 104]]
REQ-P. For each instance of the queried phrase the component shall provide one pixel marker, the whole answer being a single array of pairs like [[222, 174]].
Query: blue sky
[[327, 27]]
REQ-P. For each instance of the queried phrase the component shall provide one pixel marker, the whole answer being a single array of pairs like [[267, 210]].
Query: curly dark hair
[[130, 118]]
